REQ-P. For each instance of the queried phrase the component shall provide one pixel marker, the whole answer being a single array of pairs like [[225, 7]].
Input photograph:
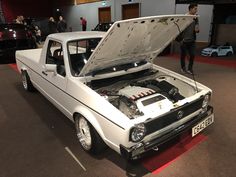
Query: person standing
[[37, 34], [52, 26], [188, 43], [18, 20], [61, 26], [83, 22], [23, 20]]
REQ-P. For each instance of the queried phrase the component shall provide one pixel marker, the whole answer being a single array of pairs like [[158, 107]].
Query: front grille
[[171, 117]]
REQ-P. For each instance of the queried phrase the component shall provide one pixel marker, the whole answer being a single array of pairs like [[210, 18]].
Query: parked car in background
[[14, 37], [215, 51], [103, 26]]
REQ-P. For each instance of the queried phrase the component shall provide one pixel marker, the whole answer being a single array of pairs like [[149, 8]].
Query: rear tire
[[229, 54], [88, 137], [27, 84]]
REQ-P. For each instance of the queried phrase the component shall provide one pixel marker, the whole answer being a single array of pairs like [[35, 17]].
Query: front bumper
[[205, 53], [135, 151]]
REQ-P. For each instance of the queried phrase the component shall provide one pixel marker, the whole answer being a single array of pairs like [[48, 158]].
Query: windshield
[[103, 26], [79, 52], [214, 47]]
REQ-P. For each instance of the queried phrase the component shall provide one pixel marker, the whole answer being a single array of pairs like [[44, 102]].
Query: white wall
[[118, 7], [205, 19], [157, 7], [89, 11], [147, 8]]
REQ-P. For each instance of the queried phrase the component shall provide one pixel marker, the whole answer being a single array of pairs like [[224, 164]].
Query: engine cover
[[147, 100], [135, 92], [154, 105]]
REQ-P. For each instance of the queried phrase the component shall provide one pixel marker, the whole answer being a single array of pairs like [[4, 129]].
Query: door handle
[[44, 73]]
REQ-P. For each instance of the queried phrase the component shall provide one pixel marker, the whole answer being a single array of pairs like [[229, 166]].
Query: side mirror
[[51, 68]]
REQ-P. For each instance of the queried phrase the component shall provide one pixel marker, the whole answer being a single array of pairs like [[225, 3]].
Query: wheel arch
[[23, 68], [214, 54], [90, 117], [27, 84], [229, 53]]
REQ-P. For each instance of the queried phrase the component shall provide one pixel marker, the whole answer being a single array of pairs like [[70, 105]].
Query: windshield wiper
[[101, 71]]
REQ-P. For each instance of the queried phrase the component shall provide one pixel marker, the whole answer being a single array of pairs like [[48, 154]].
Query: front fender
[[91, 117]]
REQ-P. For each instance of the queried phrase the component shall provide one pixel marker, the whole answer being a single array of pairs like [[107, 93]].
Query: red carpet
[[14, 67], [159, 162], [222, 61]]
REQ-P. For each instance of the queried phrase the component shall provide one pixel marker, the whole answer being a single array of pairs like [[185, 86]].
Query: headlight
[[206, 101], [138, 132]]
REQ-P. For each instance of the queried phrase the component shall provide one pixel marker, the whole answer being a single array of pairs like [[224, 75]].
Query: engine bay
[[146, 92]]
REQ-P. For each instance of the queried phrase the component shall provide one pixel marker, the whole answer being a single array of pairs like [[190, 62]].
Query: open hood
[[135, 40]]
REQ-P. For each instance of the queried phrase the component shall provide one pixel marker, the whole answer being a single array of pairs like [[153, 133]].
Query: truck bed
[[29, 58]]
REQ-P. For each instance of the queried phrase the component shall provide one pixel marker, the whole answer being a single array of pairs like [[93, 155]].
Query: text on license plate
[[202, 125]]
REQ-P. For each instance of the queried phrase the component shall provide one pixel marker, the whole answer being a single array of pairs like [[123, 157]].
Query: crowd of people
[[53, 26], [20, 20], [34, 29], [61, 25]]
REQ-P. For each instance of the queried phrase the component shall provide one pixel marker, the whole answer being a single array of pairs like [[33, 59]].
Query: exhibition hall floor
[[37, 140]]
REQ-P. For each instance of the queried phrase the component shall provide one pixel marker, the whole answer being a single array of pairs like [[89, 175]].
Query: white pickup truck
[[107, 84]]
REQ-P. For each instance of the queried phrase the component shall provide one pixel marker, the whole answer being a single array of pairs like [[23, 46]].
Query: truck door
[[220, 51], [55, 82]]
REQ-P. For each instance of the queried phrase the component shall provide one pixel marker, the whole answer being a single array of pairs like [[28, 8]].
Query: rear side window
[[224, 47], [55, 56]]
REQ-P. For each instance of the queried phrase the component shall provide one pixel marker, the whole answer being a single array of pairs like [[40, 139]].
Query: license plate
[[202, 125]]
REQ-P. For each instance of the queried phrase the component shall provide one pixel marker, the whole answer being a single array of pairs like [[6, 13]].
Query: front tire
[[27, 84], [88, 137], [214, 54]]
